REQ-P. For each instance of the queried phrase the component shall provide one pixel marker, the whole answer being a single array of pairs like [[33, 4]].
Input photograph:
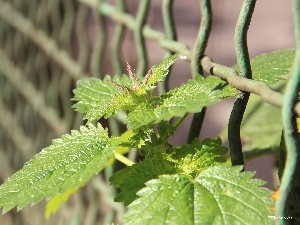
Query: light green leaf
[[218, 195], [189, 98], [70, 161], [185, 159], [262, 125], [197, 156], [272, 67], [103, 98], [55, 202], [97, 98], [161, 70]]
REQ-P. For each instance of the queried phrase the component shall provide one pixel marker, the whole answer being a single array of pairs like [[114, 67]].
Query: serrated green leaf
[[142, 137], [70, 161], [272, 67], [189, 98], [165, 130], [103, 98], [97, 98], [131, 179], [161, 70], [218, 195], [187, 159], [143, 114], [197, 156]]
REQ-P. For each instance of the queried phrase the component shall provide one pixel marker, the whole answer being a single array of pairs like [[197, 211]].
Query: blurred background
[[47, 45]]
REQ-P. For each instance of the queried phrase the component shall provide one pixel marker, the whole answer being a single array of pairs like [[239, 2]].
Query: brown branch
[[252, 86]]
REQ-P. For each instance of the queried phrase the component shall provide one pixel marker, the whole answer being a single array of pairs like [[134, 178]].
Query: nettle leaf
[[189, 98], [262, 125], [133, 178], [68, 163], [97, 98], [272, 67], [197, 156], [218, 195], [185, 159], [104, 98], [161, 70], [141, 136]]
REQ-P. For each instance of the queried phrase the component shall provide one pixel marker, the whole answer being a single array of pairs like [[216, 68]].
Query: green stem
[[177, 124], [243, 60], [196, 125], [292, 164], [198, 53], [123, 159]]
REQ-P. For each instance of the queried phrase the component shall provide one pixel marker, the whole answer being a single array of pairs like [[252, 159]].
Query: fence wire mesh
[[45, 47]]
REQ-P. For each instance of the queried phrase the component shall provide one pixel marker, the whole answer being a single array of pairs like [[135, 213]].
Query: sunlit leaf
[[189, 98], [161, 70], [70, 161], [272, 67], [187, 159], [97, 98], [218, 195]]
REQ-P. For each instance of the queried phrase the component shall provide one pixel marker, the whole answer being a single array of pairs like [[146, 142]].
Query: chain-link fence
[[45, 47]]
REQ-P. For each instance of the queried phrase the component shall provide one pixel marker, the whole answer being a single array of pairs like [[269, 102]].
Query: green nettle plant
[[186, 184]]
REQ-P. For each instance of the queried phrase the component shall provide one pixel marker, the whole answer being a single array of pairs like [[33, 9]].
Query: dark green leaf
[[133, 178], [218, 195]]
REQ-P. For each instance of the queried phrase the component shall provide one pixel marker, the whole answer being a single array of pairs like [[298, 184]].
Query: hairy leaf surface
[[104, 98], [97, 98], [186, 159], [197, 156], [68, 163], [218, 195], [189, 98], [161, 70], [272, 67]]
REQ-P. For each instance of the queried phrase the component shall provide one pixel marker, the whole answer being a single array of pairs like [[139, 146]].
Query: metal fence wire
[[45, 47]]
